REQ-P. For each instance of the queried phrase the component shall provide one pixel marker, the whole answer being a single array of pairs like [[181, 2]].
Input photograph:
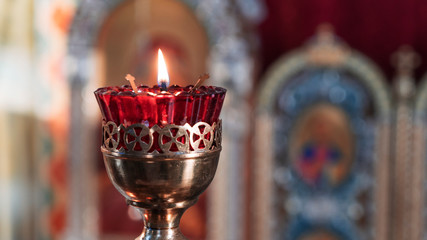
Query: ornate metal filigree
[[111, 135], [138, 138]]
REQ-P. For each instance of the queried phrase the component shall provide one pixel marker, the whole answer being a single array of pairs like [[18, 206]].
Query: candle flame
[[162, 75]]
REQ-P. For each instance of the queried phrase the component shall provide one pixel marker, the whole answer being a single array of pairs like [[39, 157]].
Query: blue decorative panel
[[324, 157]]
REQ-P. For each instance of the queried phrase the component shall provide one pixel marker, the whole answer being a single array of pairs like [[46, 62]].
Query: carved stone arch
[[325, 51], [288, 65], [230, 65], [90, 16]]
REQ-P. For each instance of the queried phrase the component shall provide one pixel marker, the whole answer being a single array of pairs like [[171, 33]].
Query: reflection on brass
[[162, 185]]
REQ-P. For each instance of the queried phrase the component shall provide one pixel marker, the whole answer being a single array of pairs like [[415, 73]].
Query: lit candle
[[162, 74], [162, 104], [165, 100]]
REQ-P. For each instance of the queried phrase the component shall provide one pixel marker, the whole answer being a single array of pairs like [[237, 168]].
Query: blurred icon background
[[324, 122]]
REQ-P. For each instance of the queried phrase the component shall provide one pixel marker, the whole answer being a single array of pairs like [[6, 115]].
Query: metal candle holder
[[161, 170]]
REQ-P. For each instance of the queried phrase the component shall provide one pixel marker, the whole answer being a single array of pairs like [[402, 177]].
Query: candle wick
[[163, 86], [200, 81], [131, 79]]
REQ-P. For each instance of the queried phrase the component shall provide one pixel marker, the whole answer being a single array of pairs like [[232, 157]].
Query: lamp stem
[[162, 224]]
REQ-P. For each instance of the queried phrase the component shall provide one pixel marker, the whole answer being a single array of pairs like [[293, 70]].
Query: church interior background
[[324, 124]]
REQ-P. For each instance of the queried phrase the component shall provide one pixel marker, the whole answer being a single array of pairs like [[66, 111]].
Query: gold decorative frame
[[324, 51]]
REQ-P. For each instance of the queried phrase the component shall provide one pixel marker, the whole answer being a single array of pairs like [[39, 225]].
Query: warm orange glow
[[162, 75]]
